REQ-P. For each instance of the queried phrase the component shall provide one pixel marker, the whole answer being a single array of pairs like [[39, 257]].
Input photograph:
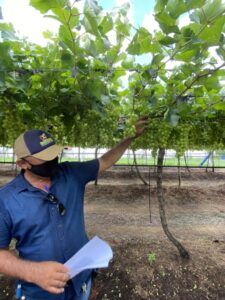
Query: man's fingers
[[55, 290], [58, 284], [62, 277], [61, 268]]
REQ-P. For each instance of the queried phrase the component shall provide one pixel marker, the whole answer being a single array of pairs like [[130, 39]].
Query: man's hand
[[112, 156], [141, 125], [50, 276]]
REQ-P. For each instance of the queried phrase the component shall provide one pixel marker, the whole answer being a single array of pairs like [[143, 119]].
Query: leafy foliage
[[88, 76]]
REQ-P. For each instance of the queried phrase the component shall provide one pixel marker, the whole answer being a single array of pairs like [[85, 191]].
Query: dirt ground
[[145, 264]]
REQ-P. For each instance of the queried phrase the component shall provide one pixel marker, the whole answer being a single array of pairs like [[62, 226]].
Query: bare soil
[[118, 210]]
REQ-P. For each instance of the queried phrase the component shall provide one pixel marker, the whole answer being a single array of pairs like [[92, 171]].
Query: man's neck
[[37, 181]]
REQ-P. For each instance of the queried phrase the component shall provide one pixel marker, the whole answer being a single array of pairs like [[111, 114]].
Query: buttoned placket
[[53, 210], [58, 220], [55, 216]]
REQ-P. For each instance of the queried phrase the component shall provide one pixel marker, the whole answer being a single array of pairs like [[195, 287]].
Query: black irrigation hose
[[167, 166]]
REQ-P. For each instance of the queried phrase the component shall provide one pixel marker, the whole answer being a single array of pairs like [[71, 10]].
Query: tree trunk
[[183, 252], [186, 164], [137, 170], [96, 156], [178, 172]]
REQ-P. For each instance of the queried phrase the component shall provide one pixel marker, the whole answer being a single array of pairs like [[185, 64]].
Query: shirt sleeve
[[87, 171], [5, 230]]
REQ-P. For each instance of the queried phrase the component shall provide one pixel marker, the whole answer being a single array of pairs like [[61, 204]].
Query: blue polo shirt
[[42, 234]]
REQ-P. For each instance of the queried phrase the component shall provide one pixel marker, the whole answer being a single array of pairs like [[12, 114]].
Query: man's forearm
[[112, 156], [13, 266], [48, 275]]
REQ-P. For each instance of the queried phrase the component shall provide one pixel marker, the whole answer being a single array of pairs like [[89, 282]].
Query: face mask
[[47, 169]]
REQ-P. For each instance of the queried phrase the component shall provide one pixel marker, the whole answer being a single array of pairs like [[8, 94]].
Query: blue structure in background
[[205, 159]]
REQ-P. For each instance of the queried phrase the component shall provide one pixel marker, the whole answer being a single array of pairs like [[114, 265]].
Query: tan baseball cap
[[36, 143]]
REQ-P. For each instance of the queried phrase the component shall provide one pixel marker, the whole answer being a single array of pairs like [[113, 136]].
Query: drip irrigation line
[[167, 166]]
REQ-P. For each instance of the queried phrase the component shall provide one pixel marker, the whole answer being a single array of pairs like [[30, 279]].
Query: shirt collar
[[22, 184]]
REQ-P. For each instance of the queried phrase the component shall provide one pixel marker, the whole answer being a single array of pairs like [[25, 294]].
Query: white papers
[[95, 254]]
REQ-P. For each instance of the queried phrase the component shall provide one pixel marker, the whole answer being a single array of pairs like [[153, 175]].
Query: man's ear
[[22, 164]]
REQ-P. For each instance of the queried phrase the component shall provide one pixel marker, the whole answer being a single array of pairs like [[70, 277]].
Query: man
[[42, 208]]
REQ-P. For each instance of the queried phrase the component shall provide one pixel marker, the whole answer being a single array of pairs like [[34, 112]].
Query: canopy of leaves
[[87, 77]]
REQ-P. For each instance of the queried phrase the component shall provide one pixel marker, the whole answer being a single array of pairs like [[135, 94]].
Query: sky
[[30, 23], [140, 8]]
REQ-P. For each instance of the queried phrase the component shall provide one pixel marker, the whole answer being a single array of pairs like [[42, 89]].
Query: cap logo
[[45, 140]]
